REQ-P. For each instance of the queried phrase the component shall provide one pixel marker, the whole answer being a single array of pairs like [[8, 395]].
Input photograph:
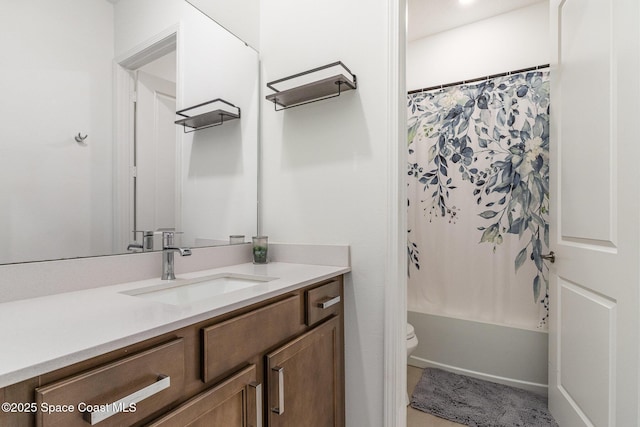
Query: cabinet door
[[305, 380], [235, 402]]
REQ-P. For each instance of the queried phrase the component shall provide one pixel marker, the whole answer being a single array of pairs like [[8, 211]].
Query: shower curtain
[[478, 200]]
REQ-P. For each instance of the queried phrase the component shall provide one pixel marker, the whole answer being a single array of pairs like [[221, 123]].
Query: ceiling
[[428, 17]]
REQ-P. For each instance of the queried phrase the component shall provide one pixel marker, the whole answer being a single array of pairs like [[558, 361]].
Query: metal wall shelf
[[207, 114], [328, 81]]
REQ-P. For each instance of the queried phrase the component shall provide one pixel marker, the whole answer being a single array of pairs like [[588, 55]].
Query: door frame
[[395, 305], [124, 67]]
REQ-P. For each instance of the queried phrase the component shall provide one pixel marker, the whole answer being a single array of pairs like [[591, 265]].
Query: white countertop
[[39, 335]]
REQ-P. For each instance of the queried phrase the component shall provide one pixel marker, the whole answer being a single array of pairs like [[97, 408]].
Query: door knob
[[551, 257]]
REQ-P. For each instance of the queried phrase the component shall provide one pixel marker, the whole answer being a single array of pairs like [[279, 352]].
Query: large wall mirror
[[89, 148]]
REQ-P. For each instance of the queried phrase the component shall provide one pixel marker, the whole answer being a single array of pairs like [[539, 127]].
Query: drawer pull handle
[[329, 302], [280, 408], [120, 405], [255, 402]]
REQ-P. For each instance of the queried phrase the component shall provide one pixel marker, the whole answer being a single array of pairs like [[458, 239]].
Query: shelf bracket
[[275, 99]]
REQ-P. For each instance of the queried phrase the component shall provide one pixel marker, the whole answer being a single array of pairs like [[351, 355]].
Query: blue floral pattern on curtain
[[489, 140]]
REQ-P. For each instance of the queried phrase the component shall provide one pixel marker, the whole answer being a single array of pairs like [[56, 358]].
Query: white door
[[595, 190], [156, 157]]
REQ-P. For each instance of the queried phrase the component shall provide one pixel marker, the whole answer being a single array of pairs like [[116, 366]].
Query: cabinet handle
[[123, 404], [255, 403], [280, 408], [329, 302]]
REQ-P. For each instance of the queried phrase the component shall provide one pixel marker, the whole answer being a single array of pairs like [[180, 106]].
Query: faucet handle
[[167, 235], [147, 238], [145, 233], [168, 231]]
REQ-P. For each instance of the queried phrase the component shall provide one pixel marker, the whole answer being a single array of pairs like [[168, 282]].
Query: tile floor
[[417, 418]]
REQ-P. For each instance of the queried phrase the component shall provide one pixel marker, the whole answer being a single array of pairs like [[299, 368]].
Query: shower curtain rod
[[479, 79]]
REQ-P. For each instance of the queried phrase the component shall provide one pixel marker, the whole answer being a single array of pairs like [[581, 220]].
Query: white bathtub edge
[[421, 363]]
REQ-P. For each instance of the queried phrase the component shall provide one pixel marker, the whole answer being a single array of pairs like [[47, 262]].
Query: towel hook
[[80, 139]]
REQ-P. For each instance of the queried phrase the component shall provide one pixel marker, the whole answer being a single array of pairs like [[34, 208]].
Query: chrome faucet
[[167, 254], [147, 241], [135, 245]]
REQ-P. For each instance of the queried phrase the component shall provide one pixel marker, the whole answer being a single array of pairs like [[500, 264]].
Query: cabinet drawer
[[323, 301], [117, 394], [232, 343]]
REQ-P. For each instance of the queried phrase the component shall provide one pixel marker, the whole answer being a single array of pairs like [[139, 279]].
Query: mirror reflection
[[89, 148]]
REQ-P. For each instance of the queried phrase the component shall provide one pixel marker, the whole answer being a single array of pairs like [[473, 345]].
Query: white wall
[[325, 169], [242, 19], [219, 165], [507, 42], [55, 80]]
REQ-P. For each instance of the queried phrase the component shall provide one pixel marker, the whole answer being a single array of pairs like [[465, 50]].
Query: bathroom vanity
[[266, 354]]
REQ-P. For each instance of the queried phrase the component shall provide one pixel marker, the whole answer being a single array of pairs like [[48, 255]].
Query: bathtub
[[502, 354]]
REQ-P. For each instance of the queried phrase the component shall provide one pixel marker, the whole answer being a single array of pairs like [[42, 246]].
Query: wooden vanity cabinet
[[277, 363], [299, 343]]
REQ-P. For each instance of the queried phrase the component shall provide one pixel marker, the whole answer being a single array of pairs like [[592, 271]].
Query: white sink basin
[[189, 291]]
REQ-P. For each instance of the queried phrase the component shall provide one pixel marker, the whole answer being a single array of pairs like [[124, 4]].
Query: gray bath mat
[[479, 403]]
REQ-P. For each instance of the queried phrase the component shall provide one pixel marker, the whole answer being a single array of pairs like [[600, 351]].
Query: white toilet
[[412, 343], [412, 340]]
